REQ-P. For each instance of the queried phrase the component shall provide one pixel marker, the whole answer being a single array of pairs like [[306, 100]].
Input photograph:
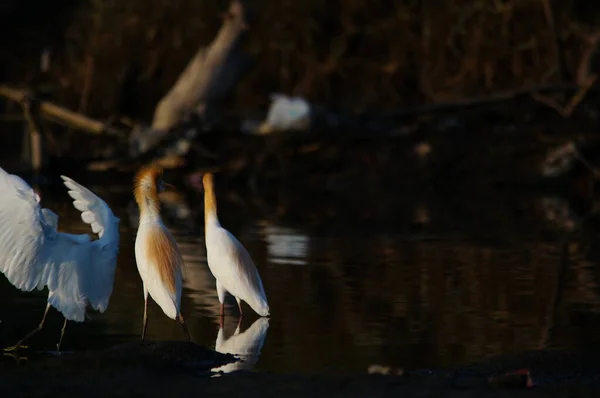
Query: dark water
[[429, 281]]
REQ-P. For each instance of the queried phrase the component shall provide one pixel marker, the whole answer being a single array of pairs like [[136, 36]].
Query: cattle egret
[[158, 259], [229, 262], [33, 254]]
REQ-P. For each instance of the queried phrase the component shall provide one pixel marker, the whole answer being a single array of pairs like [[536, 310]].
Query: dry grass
[[352, 53]]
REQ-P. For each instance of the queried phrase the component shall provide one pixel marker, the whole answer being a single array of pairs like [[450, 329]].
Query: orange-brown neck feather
[[165, 256], [210, 200], [145, 190]]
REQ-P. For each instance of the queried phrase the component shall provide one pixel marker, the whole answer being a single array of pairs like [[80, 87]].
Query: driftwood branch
[[59, 114], [204, 76]]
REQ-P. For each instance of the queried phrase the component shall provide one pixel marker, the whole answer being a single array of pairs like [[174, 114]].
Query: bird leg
[[239, 306], [221, 315], [145, 317], [184, 326], [19, 343], [62, 334], [239, 325]]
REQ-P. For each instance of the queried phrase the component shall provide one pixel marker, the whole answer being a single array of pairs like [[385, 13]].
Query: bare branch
[[200, 80]]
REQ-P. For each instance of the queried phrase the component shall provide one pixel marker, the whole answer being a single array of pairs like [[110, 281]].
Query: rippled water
[[448, 281]]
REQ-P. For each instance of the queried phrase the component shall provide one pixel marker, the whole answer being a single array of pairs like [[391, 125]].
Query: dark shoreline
[[156, 369]]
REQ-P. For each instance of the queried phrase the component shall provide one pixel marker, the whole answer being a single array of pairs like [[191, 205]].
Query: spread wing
[[34, 255], [97, 277], [25, 236], [94, 211]]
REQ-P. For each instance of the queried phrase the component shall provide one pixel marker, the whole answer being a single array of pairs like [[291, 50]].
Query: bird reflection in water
[[246, 346]]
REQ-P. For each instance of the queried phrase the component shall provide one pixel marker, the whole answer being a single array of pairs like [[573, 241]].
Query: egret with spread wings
[[33, 254]]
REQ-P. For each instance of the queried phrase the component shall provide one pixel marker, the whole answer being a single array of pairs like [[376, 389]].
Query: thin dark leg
[[19, 343], [184, 326], [145, 317], [62, 334], [221, 315], [240, 307], [239, 324]]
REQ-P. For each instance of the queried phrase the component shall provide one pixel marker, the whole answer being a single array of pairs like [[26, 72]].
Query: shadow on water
[[420, 280]]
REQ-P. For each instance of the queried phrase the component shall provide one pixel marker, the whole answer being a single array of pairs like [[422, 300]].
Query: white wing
[[64, 274], [232, 266], [25, 236], [51, 218], [33, 254], [97, 276]]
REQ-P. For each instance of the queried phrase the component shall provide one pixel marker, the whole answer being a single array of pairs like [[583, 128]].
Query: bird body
[[158, 258], [159, 265], [229, 261], [76, 270]]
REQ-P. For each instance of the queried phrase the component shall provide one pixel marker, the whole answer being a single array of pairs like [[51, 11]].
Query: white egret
[[158, 259], [229, 261], [33, 254]]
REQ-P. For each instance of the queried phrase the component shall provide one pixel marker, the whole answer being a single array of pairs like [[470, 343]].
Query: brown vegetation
[[122, 57]]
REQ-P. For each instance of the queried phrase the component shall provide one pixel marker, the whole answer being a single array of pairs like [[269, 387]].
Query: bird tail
[[260, 306]]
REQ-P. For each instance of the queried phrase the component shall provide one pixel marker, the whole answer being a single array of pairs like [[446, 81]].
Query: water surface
[[420, 281]]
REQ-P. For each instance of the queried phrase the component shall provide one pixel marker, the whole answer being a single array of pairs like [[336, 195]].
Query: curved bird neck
[[210, 202], [147, 200]]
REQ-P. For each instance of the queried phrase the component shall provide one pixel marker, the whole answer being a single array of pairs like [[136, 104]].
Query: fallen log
[[59, 114], [210, 73]]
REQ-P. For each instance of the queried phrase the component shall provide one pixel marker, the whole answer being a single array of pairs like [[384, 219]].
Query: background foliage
[[120, 57]]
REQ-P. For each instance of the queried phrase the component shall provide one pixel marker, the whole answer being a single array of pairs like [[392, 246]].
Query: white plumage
[[229, 261], [233, 268], [33, 254], [157, 255], [169, 301]]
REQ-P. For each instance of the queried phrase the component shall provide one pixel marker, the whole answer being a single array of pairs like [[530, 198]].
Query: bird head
[[149, 183]]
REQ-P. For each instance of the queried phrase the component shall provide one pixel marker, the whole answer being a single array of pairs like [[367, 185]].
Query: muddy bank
[[160, 369]]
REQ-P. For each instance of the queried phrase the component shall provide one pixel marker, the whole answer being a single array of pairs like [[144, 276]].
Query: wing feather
[[94, 211], [33, 254], [97, 283], [24, 233]]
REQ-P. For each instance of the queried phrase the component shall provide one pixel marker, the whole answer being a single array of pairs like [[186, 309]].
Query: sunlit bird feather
[[229, 261], [76, 270], [158, 258]]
